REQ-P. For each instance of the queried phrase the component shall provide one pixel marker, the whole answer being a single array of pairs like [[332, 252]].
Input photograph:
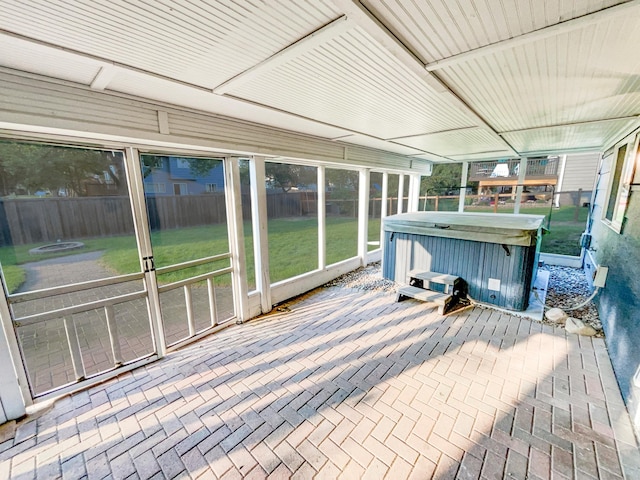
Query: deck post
[[259, 223], [236, 237], [522, 172], [363, 215], [414, 192], [400, 192], [322, 214], [463, 185]]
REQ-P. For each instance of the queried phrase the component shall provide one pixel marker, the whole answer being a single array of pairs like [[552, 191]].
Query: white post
[[363, 215], [463, 185], [384, 207], [414, 193], [322, 214], [558, 187], [260, 223], [522, 172], [236, 237], [143, 239], [400, 192], [12, 398]]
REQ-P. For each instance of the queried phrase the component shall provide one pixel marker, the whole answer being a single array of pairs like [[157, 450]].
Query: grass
[[293, 246]]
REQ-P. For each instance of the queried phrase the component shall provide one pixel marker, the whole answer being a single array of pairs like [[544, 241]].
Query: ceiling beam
[[440, 132], [542, 33], [574, 124], [381, 34], [305, 44], [104, 77]]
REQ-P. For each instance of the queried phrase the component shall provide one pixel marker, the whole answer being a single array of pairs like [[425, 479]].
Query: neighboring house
[[615, 226], [175, 176]]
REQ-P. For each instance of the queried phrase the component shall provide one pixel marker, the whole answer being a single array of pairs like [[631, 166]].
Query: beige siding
[[580, 172], [80, 111]]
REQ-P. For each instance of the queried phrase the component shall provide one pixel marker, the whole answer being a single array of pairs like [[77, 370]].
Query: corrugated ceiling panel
[[583, 75], [34, 58], [352, 82], [437, 29], [194, 41], [587, 136], [457, 142]]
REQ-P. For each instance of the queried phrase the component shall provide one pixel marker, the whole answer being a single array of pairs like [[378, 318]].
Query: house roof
[[439, 80]]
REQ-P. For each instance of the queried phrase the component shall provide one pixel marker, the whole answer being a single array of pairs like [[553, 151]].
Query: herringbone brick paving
[[347, 385]]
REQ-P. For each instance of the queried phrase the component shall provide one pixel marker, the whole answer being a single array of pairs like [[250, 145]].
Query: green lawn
[[293, 246]]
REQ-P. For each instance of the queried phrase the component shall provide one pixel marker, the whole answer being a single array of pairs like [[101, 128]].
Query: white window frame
[[616, 221], [210, 188], [184, 189], [155, 187]]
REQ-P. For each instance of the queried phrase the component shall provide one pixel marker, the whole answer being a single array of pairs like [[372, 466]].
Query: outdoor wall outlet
[[494, 284], [600, 277]]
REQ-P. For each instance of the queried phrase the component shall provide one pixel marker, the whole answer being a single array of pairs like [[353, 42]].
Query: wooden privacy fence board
[[30, 220]]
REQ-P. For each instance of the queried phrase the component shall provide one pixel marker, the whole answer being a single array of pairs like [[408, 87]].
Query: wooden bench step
[[443, 300], [434, 277]]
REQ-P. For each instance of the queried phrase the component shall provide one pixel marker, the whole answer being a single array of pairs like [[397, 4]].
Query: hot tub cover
[[503, 228]]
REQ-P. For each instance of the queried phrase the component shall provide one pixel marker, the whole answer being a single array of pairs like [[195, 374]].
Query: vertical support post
[[259, 222], [496, 199], [363, 215], [74, 347], [143, 239], [522, 172], [213, 312], [463, 185], [414, 193], [113, 335], [188, 303], [14, 392], [384, 207], [436, 202], [233, 196], [563, 165], [400, 192], [322, 214]]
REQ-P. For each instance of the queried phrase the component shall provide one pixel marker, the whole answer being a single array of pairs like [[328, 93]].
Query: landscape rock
[[574, 325], [556, 315]]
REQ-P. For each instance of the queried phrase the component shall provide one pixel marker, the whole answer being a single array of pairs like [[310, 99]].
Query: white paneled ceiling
[[443, 80]]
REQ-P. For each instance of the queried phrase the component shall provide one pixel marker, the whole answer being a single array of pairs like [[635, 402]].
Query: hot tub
[[495, 254]]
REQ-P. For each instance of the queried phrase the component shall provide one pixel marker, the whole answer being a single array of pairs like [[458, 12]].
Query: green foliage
[[26, 168], [286, 176], [445, 177]]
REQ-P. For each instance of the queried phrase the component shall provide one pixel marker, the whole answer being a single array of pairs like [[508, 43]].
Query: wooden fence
[[36, 220]]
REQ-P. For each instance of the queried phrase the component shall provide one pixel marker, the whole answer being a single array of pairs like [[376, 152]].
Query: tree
[[444, 178], [34, 167], [286, 176]]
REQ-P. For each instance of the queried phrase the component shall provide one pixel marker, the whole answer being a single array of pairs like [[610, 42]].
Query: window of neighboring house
[[155, 188], [180, 189], [621, 173], [182, 163], [210, 187]]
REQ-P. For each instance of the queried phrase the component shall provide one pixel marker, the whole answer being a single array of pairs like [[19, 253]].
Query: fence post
[[437, 202], [495, 203]]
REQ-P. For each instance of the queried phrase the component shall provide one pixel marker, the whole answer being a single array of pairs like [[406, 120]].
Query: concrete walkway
[[347, 385]]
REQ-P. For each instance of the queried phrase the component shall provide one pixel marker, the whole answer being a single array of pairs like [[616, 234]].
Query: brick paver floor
[[347, 385]]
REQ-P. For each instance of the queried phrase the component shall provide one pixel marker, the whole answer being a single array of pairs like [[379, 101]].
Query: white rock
[[573, 325], [556, 315]]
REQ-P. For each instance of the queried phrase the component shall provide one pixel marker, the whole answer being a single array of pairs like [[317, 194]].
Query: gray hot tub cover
[[503, 228]]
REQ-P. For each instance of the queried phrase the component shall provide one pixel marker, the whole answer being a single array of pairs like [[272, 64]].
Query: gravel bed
[[567, 287]]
